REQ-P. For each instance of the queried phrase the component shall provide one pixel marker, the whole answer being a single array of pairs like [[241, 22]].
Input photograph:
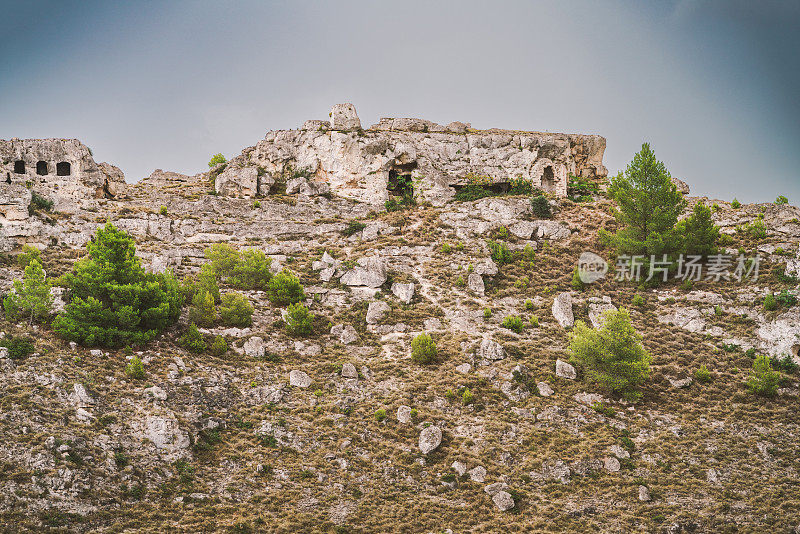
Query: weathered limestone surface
[[363, 164]]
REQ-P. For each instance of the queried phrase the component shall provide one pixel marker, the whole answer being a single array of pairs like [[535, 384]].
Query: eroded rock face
[[365, 164], [562, 310]]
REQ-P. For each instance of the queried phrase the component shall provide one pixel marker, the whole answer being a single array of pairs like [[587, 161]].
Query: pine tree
[[30, 296], [649, 206], [698, 233]]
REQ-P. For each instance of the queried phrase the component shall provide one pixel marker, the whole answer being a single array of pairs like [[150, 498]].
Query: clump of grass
[[513, 323]]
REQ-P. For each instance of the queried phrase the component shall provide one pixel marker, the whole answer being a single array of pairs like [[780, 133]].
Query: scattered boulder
[[254, 347], [619, 452], [459, 467], [597, 307], [376, 311], [429, 439], [464, 368], [346, 334], [644, 494], [404, 414], [349, 370], [611, 464], [565, 370], [544, 389], [562, 310], [486, 267], [299, 379], [475, 283], [477, 474], [404, 292], [503, 500], [370, 272], [491, 350]]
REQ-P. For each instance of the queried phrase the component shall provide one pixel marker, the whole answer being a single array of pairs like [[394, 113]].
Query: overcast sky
[[713, 85]]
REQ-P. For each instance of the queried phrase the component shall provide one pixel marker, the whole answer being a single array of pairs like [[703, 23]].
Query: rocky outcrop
[[372, 165]]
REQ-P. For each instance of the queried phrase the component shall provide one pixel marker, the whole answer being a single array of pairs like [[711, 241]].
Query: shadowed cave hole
[[548, 180], [63, 168], [19, 167], [41, 168], [401, 183]]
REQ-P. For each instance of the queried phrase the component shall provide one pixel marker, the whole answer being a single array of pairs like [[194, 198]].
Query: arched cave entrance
[[41, 168], [19, 167], [401, 184], [63, 168], [548, 180]]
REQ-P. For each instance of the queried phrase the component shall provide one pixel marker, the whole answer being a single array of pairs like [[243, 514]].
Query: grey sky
[[712, 85]]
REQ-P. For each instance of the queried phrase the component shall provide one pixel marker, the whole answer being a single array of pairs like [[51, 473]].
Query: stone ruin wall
[[60, 170], [362, 164]]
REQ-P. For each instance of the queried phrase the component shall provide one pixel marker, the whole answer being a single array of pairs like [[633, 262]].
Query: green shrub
[[380, 415], [770, 304], [500, 252], [19, 347], [30, 297], [487, 313], [781, 200], [786, 299], [135, 369], [216, 159], [256, 204], [251, 270], [513, 323], [222, 258], [192, 340], [702, 375], [603, 409], [534, 321], [540, 207], [577, 283], [785, 364], [423, 349], [612, 355], [466, 397], [697, 234], [39, 203], [763, 380], [637, 300], [736, 204], [353, 227], [446, 248], [202, 311], [580, 189], [285, 288], [27, 255], [528, 304], [235, 310], [163, 210], [299, 321], [460, 281], [113, 302], [219, 346]]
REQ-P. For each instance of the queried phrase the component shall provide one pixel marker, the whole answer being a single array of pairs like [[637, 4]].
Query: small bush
[[216, 159], [30, 296], [219, 346], [736, 204], [786, 299], [763, 381], [19, 347], [466, 397], [604, 409], [202, 312], [285, 288], [534, 320], [256, 204], [487, 313], [460, 281], [513, 323], [380, 415], [785, 364], [540, 207], [235, 310], [500, 252], [637, 300], [353, 227], [446, 248], [135, 369], [528, 304], [163, 210], [702, 375], [39, 203], [27, 255], [192, 340], [781, 200], [251, 270], [577, 283], [423, 349], [222, 258], [612, 355], [770, 304], [299, 321]]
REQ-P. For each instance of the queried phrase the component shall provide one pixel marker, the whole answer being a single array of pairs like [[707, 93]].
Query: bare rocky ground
[[281, 433]]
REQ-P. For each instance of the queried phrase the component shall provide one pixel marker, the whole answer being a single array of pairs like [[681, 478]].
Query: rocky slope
[[284, 434]]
